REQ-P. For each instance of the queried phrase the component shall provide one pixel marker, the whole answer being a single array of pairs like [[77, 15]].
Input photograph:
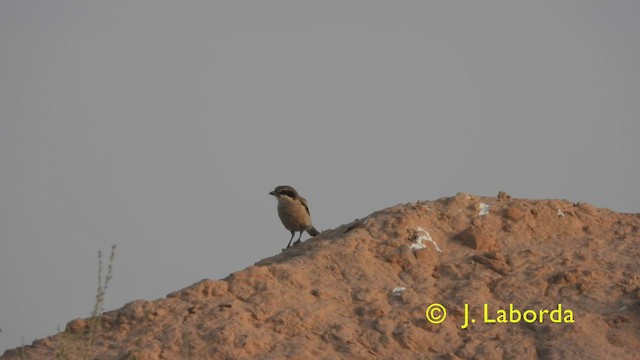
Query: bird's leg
[[298, 241], [293, 233]]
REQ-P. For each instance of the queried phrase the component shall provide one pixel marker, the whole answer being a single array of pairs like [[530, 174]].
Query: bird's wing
[[304, 202]]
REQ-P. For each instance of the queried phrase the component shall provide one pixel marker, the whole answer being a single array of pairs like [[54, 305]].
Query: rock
[[503, 196], [332, 296], [515, 212], [77, 325], [476, 238], [494, 261]]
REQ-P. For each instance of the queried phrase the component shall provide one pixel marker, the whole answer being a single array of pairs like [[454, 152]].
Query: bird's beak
[[272, 193]]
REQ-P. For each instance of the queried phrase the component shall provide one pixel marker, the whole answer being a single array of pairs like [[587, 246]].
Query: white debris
[[421, 235], [560, 213], [397, 291], [484, 209]]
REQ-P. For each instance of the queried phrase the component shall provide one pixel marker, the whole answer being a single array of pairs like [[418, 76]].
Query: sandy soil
[[362, 290]]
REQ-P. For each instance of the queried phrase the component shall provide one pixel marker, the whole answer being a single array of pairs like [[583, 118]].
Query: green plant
[[81, 346], [98, 307]]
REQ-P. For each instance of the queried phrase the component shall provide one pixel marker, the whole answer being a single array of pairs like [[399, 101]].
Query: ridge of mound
[[361, 291]]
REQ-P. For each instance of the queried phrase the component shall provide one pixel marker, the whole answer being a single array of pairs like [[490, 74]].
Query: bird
[[293, 212]]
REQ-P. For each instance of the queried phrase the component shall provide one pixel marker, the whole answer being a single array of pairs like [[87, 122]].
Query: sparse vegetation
[[98, 307], [81, 346], [21, 349]]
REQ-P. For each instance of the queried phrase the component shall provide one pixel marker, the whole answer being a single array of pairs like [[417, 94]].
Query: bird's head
[[284, 190]]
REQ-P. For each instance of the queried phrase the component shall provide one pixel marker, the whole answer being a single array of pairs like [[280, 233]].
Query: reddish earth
[[332, 297]]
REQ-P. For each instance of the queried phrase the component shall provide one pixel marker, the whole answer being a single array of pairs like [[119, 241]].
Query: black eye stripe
[[289, 193]]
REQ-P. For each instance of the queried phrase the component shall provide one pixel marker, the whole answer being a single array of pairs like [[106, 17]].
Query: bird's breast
[[294, 215]]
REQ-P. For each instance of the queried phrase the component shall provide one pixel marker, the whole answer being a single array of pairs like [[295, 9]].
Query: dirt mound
[[541, 278]]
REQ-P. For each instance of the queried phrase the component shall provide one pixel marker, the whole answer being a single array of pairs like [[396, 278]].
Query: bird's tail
[[312, 231]]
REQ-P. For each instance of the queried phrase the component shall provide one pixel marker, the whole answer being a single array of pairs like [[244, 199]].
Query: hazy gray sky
[[160, 126]]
